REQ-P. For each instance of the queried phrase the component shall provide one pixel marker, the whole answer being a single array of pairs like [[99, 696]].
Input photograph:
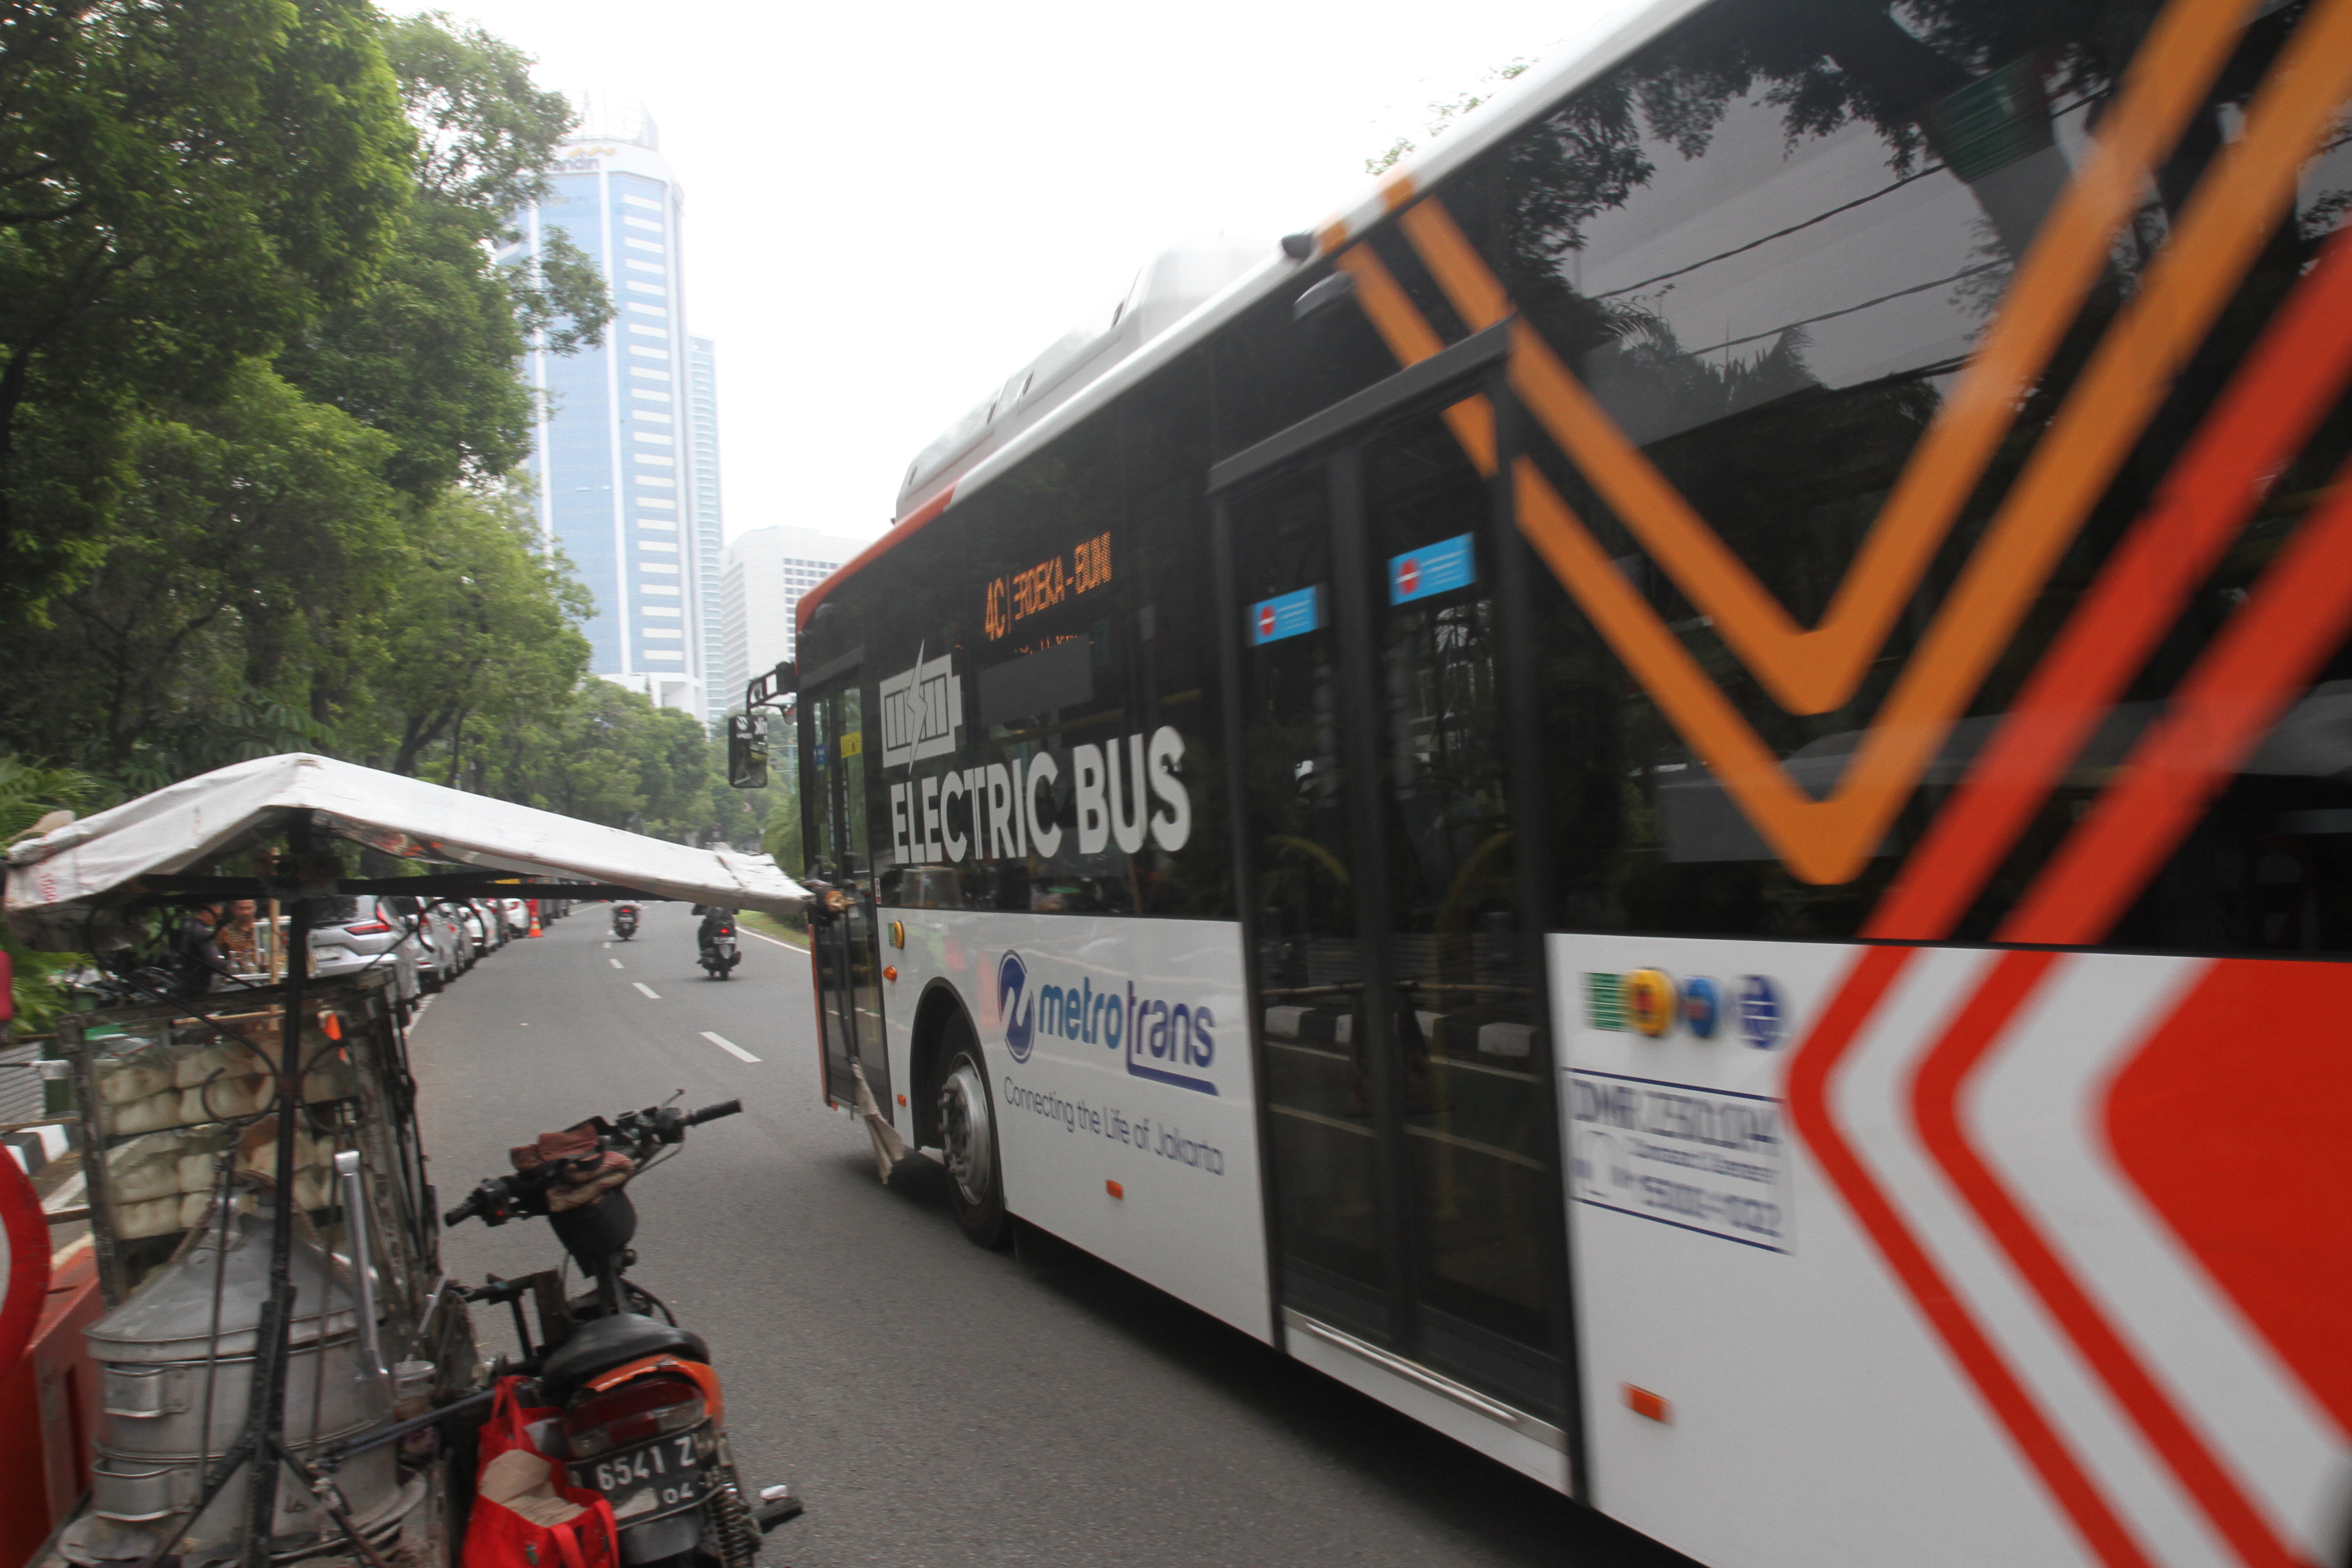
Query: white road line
[[763, 936], [614, 963], [729, 1046], [647, 989]]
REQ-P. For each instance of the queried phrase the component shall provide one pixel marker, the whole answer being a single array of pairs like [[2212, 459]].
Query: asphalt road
[[934, 1404]]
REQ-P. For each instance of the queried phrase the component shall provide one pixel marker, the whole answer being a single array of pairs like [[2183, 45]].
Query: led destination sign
[[1016, 596]]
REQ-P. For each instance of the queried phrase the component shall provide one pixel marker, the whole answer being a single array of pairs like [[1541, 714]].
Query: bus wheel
[[967, 1136]]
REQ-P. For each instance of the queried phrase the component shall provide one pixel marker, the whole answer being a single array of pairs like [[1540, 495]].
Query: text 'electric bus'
[[1680, 798]]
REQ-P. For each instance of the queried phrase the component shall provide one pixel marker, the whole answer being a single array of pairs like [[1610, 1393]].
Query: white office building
[[627, 450], [767, 571]]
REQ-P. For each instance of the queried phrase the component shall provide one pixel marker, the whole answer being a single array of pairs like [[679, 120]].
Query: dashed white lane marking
[[614, 963], [647, 989], [729, 1046]]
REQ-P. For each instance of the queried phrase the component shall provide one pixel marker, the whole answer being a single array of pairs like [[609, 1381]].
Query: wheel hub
[[963, 1132]]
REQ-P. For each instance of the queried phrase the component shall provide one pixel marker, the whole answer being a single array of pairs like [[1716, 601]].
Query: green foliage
[[484, 631], [29, 791], [485, 133], [238, 572], [609, 755], [780, 836], [429, 354], [259, 390], [184, 184]]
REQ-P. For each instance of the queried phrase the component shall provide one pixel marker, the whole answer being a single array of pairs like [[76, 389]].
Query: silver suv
[[352, 934]]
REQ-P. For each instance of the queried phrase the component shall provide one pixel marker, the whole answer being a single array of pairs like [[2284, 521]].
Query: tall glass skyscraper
[[709, 556], [627, 458]]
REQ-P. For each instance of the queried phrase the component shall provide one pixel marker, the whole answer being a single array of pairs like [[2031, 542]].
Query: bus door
[[844, 943], [1392, 919]]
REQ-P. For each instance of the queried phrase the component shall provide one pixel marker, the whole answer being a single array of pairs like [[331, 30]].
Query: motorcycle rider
[[624, 916], [716, 922]]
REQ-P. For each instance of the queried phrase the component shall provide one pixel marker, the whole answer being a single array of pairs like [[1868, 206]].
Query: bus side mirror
[[747, 750]]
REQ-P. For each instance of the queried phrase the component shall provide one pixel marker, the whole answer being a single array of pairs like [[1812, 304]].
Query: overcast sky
[[890, 209]]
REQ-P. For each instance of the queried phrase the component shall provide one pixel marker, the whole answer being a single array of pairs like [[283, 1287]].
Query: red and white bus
[[1680, 796]]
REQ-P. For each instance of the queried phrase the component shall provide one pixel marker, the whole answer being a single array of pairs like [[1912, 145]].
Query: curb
[[36, 1146]]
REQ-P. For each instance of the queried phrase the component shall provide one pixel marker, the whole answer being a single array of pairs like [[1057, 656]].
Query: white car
[[355, 934]]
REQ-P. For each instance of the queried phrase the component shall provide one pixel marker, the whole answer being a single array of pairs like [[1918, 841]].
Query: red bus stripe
[[1935, 1104], [1856, 1000], [2286, 386], [2250, 674]]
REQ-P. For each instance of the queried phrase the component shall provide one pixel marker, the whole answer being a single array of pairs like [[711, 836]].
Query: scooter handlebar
[[713, 1113]]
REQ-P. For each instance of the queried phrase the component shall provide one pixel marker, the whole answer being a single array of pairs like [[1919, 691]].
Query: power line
[[1850, 309], [2056, 114], [1776, 234]]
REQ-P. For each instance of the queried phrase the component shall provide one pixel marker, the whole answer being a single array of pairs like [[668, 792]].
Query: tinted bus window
[[1765, 263]]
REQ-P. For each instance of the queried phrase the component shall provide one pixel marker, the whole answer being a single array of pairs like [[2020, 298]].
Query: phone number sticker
[[1704, 1160]]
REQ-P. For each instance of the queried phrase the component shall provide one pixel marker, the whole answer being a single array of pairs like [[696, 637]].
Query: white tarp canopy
[[59, 881]]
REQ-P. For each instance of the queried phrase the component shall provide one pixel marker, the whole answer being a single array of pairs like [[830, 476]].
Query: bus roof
[[1609, 34]]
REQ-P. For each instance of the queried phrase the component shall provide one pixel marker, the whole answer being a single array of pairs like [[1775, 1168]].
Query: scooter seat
[[600, 1344]]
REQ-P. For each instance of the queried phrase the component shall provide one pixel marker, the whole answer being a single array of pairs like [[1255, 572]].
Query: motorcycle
[[624, 920], [641, 1409], [720, 952]]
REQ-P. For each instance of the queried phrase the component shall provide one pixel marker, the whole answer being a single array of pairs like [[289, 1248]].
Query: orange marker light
[[1114, 1189], [1641, 1402], [891, 973], [902, 1099]]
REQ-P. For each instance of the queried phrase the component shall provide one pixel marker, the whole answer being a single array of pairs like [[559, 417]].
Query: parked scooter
[[721, 950], [642, 1414], [624, 920]]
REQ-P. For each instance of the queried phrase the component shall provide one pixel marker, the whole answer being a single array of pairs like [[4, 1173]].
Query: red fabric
[[498, 1537]]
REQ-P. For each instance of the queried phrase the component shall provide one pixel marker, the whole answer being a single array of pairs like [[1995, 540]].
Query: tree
[[29, 792], [184, 184], [484, 631], [429, 355], [242, 571], [781, 834]]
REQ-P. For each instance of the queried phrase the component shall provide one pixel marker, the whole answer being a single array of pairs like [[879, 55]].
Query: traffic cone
[[534, 917]]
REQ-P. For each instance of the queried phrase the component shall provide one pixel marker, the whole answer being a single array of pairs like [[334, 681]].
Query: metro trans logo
[[1166, 1041], [1012, 979]]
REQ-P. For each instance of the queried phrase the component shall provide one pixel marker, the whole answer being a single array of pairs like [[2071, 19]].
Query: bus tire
[[968, 1139]]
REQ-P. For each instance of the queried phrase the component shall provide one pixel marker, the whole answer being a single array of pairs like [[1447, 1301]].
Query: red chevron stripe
[[2285, 387], [1855, 1001], [1935, 1103], [2252, 672]]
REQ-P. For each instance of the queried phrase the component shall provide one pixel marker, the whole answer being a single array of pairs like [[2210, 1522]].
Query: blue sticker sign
[[1285, 615], [1440, 568]]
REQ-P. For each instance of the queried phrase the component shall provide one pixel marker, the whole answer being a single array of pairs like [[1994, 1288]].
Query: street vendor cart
[[283, 1372]]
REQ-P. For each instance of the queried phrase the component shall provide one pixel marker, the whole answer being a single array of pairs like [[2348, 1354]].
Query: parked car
[[436, 935], [473, 931], [518, 916], [485, 924], [352, 934]]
